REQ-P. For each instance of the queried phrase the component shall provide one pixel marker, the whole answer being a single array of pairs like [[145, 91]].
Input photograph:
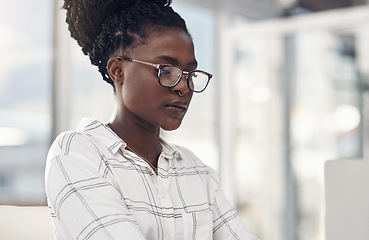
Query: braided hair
[[103, 26]]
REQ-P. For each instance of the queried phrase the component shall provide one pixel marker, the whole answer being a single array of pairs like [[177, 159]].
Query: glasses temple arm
[[138, 61]]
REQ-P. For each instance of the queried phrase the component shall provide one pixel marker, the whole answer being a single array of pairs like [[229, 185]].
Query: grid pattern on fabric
[[99, 190]]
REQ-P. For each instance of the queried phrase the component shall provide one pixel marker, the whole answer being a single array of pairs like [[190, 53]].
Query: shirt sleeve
[[226, 222], [83, 203]]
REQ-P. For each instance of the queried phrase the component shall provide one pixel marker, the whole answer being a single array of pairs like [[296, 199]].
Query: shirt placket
[[161, 181]]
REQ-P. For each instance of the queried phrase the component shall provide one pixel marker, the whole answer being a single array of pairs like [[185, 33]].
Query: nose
[[182, 85]]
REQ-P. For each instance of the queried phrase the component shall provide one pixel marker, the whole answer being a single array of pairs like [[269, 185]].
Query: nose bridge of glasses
[[183, 76], [186, 74], [182, 79]]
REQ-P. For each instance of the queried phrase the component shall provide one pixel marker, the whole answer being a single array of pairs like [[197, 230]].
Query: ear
[[115, 70]]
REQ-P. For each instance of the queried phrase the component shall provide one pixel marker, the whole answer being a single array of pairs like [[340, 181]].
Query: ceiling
[[320, 5]]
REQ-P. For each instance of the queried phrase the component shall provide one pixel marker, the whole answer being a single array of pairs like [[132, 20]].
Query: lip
[[177, 106]]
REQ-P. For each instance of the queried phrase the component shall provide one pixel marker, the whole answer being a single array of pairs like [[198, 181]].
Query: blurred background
[[289, 76]]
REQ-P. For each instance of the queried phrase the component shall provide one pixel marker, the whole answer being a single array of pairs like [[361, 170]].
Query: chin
[[166, 128], [171, 126]]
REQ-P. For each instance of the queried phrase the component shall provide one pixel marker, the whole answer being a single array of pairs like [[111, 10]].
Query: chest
[[172, 203], [179, 185]]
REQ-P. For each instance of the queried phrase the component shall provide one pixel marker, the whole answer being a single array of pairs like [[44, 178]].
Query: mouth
[[179, 107]]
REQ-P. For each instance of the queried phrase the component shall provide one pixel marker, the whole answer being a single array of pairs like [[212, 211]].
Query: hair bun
[[85, 17], [159, 2]]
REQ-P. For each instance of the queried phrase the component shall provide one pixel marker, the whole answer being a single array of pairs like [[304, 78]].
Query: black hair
[[103, 26]]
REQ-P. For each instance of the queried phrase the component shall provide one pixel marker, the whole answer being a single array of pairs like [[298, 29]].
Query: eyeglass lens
[[170, 75]]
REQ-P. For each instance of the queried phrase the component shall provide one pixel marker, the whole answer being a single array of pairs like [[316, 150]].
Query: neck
[[141, 139]]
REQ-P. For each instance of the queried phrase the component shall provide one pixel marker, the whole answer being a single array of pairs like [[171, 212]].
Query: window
[[298, 98], [25, 82]]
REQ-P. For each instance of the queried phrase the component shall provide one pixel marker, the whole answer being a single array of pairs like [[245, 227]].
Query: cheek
[[141, 95], [134, 96]]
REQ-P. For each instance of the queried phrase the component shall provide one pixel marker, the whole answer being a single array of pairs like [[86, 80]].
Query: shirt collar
[[102, 133], [169, 152], [113, 142]]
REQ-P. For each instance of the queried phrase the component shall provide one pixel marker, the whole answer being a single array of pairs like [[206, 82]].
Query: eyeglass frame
[[159, 67]]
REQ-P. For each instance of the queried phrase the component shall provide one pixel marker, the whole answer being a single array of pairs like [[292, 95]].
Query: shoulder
[[83, 140], [73, 143], [75, 154]]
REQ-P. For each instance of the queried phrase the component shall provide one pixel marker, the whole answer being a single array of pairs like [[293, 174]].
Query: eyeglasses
[[169, 76]]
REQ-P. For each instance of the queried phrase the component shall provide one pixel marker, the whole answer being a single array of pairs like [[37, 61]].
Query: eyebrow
[[175, 61]]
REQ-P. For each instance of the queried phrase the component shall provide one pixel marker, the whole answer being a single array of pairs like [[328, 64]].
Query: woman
[[120, 180]]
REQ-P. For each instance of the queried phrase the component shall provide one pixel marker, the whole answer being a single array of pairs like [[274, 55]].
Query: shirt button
[[162, 194]]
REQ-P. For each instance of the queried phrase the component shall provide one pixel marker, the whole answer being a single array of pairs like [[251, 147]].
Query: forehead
[[174, 43]]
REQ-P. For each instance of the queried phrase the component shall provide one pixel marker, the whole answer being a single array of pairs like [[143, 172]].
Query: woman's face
[[142, 97]]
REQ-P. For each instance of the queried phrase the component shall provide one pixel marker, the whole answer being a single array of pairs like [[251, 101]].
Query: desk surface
[[347, 199]]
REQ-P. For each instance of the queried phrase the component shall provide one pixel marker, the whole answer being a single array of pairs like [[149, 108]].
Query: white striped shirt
[[97, 189]]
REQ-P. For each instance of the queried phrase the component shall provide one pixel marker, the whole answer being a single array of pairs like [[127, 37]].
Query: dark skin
[[143, 106]]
